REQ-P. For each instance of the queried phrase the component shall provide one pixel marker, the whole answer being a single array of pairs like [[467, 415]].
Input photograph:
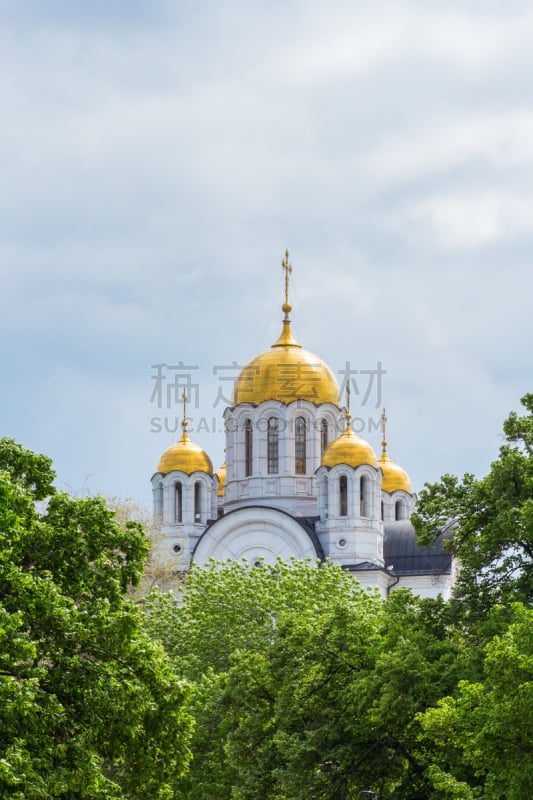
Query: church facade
[[297, 482]]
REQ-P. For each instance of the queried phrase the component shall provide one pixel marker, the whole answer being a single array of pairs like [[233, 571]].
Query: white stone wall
[[379, 580], [428, 585]]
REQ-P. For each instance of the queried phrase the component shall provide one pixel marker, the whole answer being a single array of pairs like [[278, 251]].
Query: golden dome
[[185, 456], [286, 373], [349, 448], [221, 474], [394, 477]]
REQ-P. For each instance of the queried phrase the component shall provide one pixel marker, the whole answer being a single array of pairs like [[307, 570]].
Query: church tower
[[285, 412], [297, 482], [350, 527], [185, 496]]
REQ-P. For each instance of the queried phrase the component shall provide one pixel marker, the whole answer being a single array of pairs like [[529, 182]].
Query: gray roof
[[405, 557]]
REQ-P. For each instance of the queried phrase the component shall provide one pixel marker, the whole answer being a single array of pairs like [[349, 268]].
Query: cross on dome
[[287, 268], [184, 420], [384, 430]]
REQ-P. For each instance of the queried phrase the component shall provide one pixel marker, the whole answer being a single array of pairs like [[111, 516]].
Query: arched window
[[343, 496], [273, 446], [399, 510], [178, 503], [382, 509], [248, 448], [197, 501], [364, 494], [300, 446], [323, 435]]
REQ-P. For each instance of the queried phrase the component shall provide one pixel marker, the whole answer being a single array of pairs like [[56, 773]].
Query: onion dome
[[221, 475], [185, 456], [286, 372], [350, 449], [394, 477]]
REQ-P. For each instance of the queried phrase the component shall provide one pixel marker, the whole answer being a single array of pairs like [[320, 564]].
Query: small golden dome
[[349, 448], [394, 477], [286, 373], [185, 456], [221, 474]]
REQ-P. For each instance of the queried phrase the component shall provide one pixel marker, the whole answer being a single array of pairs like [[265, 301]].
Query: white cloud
[[498, 140], [472, 218]]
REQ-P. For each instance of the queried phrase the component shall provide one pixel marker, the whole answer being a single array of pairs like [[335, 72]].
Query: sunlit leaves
[[90, 706], [492, 521]]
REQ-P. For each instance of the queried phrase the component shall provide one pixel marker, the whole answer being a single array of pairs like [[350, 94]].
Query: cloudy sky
[[156, 159]]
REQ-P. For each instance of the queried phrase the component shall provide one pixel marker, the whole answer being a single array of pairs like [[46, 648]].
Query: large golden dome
[[286, 373], [185, 456], [394, 477], [350, 449]]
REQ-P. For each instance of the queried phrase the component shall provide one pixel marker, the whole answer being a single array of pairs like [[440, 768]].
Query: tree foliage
[[305, 685], [300, 684], [159, 570], [493, 521], [90, 706], [486, 729]]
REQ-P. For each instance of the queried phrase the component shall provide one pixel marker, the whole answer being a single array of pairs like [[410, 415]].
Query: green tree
[[486, 729], [332, 705], [492, 521], [305, 685], [159, 571], [90, 707], [225, 613]]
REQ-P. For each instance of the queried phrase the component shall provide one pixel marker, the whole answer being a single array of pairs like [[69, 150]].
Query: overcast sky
[[156, 159]]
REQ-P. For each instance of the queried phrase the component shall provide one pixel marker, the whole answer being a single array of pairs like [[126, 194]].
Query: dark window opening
[[300, 446], [343, 496], [248, 448], [178, 508], [273, 446], [197, 501]]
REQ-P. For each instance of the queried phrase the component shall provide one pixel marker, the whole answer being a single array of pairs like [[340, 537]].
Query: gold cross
[[287, 268], [184, 398], [384, 428]]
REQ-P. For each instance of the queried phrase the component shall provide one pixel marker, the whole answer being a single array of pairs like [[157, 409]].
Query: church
[[297, 482]]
